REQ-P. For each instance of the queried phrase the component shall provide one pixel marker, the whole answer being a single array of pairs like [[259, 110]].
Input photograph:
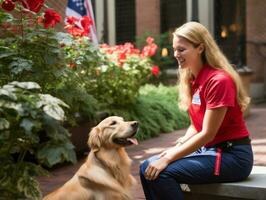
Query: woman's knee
[[146, 163], [143, 167]]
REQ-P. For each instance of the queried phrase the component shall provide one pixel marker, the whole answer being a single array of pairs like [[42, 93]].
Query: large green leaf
[[52, 154], [19, 65], [8, 93], [64, 38], [30, 187], [4, 124], [27, 124], [18, 107], [7, 54], [46, 99], [26, 85], [54, 111]]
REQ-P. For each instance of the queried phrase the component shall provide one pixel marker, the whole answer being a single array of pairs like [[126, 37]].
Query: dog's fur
[[106, 173]]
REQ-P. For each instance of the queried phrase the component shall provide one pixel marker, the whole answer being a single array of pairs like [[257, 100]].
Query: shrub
[[31, 130], [157, 111], [35, 52], [124, 70]]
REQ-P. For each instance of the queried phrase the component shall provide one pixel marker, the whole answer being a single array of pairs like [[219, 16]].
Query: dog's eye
[[113, 123]]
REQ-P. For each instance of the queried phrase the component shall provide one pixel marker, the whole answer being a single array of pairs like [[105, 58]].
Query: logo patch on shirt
[[196, 98]]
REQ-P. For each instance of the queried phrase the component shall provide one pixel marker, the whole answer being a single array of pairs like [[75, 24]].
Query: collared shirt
[[214, 88]]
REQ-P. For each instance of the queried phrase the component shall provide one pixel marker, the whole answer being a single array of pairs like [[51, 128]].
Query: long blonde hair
[[197, 34]]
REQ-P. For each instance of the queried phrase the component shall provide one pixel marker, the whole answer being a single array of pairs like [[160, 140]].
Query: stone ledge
[[254, 187]]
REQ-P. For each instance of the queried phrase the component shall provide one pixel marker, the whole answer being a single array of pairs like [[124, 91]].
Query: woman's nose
[[176, 54]]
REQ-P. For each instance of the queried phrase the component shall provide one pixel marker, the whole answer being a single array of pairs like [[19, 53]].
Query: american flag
[[79, 8]]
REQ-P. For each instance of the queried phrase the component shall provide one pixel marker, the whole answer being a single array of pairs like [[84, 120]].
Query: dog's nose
[[135, 124]]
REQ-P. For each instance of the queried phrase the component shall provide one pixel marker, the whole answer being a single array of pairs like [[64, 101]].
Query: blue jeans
[[197, 168]]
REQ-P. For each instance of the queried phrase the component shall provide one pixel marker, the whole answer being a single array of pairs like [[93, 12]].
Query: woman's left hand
[[154, 168]]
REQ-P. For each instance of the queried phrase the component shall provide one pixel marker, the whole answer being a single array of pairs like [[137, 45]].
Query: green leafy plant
[[124, 69], [30, 51], [31, 130]]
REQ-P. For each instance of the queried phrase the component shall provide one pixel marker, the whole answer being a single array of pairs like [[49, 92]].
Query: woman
[[216, 146]]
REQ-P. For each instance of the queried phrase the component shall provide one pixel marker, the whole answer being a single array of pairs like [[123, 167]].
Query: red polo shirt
[[214, 88]]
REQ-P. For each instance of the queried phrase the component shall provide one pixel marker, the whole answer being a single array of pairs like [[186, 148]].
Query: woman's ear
[[94, 139], [201, 48]]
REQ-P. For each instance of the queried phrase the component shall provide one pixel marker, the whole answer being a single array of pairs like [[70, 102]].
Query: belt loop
[[229, 144], [218, 161]]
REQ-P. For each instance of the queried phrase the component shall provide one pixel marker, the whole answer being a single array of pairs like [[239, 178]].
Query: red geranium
[[86, 22], [71, 20], [150, 40], [78, 27], [150, 49], [8, 5], [51, 18], [155, 70], [33, 5]]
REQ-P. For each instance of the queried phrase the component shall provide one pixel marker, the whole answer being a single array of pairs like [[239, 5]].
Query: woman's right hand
[[155, 168]]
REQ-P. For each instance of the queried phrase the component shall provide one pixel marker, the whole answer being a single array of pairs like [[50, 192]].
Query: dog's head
[[113, 132]]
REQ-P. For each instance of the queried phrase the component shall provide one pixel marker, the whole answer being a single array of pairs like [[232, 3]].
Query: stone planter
[[79, 136], [80, 133]]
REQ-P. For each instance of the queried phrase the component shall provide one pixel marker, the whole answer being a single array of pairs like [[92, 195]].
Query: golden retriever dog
[[106, 173]]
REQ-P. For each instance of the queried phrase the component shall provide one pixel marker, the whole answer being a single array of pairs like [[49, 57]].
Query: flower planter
[[80, 133], [79, 136]]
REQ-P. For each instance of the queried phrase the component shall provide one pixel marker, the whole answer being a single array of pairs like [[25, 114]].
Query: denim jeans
[[197, 168]]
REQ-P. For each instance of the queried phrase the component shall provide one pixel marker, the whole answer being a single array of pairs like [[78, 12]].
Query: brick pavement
[[256, 123]]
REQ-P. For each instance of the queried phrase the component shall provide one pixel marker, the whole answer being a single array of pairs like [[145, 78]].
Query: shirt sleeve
[[220, 92]]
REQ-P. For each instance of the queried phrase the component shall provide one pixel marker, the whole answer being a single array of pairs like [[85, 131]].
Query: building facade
[[239, 27]]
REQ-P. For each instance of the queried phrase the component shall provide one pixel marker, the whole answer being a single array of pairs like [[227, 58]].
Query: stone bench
[[254, 187]]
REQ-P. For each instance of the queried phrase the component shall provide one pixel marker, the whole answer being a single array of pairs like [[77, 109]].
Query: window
[[125, 21], [173, 14], [230, 29]]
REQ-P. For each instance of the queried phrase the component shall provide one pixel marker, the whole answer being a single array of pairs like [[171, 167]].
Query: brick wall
[[147, 16], [256, 45], [256, 36]]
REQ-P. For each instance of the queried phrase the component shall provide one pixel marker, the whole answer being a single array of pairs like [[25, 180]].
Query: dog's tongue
[[133, 140]]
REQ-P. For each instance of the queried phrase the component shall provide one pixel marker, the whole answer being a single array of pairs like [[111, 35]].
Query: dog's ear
[[94, 139]]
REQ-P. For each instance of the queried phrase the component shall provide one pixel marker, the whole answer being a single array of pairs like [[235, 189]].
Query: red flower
[[71, 20], [155, 70], [75, 31], [72, 65], [33, 5], [104, 45], [8, 5], [150, 40], [86, 22], [78, 27], [122, 57], [40, 20], [149, 50], [51, 18]]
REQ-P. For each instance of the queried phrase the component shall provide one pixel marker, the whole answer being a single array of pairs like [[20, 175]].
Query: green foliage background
[[156, 110]]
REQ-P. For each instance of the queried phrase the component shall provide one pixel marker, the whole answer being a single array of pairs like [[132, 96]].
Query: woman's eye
[[113, 123]]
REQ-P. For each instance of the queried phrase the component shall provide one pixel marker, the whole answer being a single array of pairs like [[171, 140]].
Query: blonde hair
[[197, 34]]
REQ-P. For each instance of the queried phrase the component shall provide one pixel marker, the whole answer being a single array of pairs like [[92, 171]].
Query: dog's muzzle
[[128, 140]]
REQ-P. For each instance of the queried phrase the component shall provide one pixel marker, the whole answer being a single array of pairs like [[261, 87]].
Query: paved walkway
[[256, 123]]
